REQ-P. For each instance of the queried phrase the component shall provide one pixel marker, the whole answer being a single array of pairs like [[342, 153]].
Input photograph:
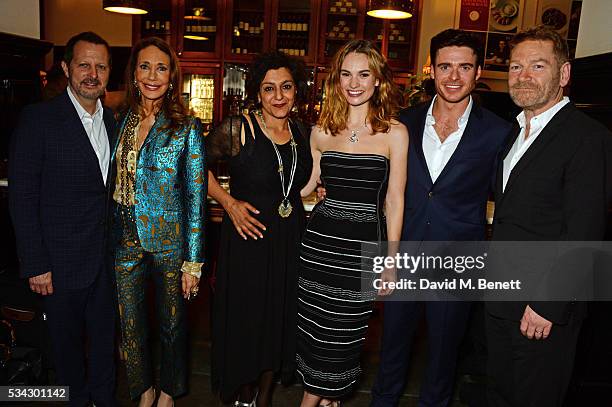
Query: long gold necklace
[[285, 208], [129, 156]]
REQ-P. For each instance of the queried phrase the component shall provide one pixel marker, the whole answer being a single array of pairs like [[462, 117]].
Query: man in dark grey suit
[[58, 180], [551, 186]]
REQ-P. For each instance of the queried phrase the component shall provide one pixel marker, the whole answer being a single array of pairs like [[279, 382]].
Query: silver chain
[[354, 137]]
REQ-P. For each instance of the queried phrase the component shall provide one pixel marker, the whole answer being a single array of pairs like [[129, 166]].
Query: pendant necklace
[[129, 156], [285, 208], [354, 137]]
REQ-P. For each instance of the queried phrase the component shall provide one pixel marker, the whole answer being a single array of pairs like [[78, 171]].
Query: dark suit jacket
[[556, 192], [57, 195], [454, 207]]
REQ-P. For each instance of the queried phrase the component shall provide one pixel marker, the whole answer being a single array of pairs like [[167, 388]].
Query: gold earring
[[136, 87]]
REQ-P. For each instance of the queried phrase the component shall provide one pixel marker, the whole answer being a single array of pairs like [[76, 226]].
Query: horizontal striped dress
[[342, 235]]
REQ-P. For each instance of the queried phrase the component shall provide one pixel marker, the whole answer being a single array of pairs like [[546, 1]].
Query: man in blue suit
[[58, 178], [454, 144]]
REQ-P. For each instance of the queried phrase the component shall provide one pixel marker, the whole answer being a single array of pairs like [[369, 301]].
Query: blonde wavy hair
[[384, 104]]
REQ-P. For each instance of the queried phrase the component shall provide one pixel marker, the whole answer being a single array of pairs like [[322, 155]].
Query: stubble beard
[[539, 97], [79, 88]]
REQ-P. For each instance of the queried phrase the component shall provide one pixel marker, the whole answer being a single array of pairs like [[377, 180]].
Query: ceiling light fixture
[[195, 37], [198, 14], [127, 6], [390, 9]]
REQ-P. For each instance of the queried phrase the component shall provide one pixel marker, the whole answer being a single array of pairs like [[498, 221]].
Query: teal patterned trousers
[[133, 267]]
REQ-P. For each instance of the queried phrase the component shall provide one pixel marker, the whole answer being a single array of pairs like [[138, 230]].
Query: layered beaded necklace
[[285, 208], [129, 156]]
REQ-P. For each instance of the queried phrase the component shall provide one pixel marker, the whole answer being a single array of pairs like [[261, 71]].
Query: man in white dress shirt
[[454, 144], [551, 186], [58, 178]]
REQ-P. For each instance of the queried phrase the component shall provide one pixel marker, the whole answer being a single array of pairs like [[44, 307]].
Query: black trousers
[[76, 318], [527, 372]]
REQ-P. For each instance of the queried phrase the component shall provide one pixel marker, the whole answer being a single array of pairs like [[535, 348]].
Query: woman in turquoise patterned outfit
[[160, 193]]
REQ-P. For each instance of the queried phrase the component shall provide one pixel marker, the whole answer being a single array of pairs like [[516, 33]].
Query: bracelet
[[192, 268]]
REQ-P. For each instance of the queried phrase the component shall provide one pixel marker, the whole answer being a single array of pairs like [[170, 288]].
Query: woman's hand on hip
[[245, 224]]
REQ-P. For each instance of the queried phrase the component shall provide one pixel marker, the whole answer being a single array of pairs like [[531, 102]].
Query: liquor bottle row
[[202, 88], [234, 80], [202, 108], [293, 51], [156, 26], [238, 50], [297, 23], [342, 6], [201, 28], [341, 30], [396, 33], [245, 27], [233, 92]]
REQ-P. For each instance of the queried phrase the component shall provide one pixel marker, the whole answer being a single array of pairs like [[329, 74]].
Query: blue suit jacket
[[454, 207], [57, 195], [171, 187]]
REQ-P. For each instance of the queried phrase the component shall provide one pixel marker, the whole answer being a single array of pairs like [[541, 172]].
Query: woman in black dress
[[255, 295], [360, 154]]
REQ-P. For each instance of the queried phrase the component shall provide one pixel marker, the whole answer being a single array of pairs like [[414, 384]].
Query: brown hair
[[172, 105], [543, 33], [384, 104], [87, 36], [456, 38]]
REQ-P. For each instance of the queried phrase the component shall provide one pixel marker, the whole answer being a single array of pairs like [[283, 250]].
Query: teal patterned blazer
[[171, 187]]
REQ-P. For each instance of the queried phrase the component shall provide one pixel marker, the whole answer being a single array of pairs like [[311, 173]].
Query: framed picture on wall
[[554, 14], [562, 16], [495, 21]]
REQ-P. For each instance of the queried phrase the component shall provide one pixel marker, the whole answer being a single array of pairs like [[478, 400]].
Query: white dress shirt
[[521, 145], [96, 132], [437, 153]]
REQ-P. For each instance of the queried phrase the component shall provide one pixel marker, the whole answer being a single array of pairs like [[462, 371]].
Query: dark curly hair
[[172, 105], [275, 60]]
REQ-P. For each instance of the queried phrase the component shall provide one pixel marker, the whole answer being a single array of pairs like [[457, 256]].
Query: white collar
[[543, 118], [80, 110], [430, 119]]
